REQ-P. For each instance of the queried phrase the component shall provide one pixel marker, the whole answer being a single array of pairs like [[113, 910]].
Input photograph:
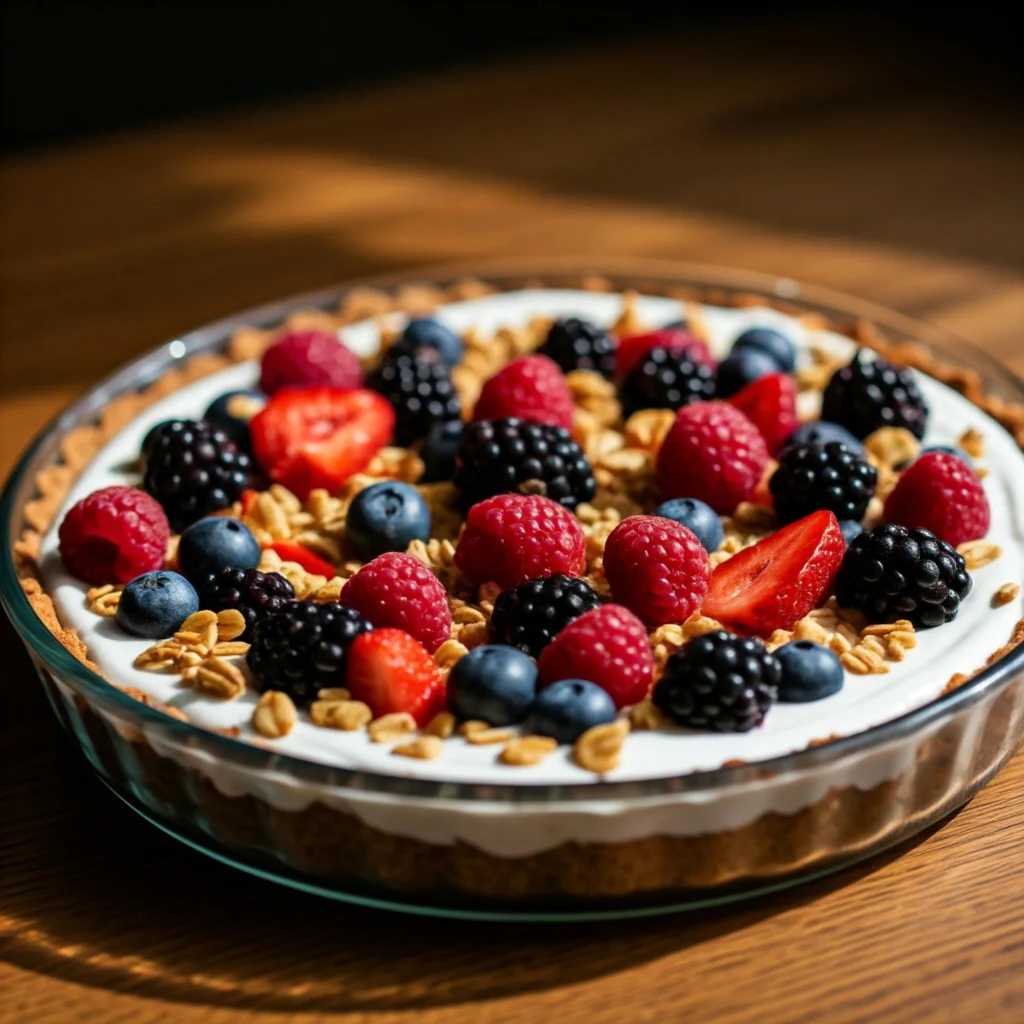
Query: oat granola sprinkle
[[346, 715], [600, 747], [1005, 594], [979, 553], [525, 751], [389, 728], [274, 716], [423, 748]]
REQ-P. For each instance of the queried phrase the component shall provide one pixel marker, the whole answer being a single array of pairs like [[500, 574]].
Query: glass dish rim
[[623, 274]]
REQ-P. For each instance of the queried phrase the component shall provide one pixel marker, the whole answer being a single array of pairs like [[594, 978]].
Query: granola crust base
[[846, 823]]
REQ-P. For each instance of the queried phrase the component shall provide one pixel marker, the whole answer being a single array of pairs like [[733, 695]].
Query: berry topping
[[942, 494], [513, 455], [699, 518], [719, 682], [155, 604], [231, 413], [949, 449], [290, 551], [814, 476], [193, 469], [386, 517], [249, 591], [823, 432], [425, 332], [576, 344], [530, 388], [514, 537], [809, 672], [418, 385], [217, 542], [713, 453], [607, 646], [778, 580], [400, 591], [495, 684], [872, 393], [300, 648], [319, 437], [675, 339], [666, 378], [742, 367], [770, 404], [114, 535], [309, 359], [771, 342], [392, 672], [898, 573], [656, 568], [567, 709], [850, 528], [439, 449], [530, 615]]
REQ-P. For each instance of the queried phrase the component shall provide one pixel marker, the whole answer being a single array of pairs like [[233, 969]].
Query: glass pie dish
[[454, 846]]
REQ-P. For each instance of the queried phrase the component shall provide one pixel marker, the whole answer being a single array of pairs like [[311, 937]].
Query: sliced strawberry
[[780, 579], [632, 349], [318, 437], [312, 563], [770, 402], [390, 671]]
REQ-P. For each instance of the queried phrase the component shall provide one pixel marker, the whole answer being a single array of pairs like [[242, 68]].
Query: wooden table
[[791, 156]]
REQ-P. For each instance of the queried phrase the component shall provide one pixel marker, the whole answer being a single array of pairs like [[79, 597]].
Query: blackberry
[[666, 379], [252, 592], [300, 648], [513, 455], [193, 470], [873, 393], [577, 344], [822, 476], [895, 572], [418, 385], [720, 682], [530, 615]]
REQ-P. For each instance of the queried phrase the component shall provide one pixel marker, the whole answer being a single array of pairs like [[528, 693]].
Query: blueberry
[[740, 368], [386, 517], [850, 528], [433, 334], [214, 543], [495, 683], [232, 411], [949, 449], [439, 449], [823, 432], [155, 604], [695, 515], [772, 342], [809, 672], [674, 325], [567, 709]]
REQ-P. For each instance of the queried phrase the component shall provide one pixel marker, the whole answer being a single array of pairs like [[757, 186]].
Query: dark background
[[78, 70]]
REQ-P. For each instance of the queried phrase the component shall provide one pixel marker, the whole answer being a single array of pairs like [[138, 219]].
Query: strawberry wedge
[[770, 404]]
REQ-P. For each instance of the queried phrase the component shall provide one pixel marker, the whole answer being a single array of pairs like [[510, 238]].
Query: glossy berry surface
[[494, 683], [513, 455], [810, 477], [529, 388], [193, 470], [633, 348], [895, 572], [307, 359], [301, 648], [386, 516], [398, 590], [698, 517], [742, 367], [773, 343], [656, 568], [607, 646], [232, 411], [114, 535], [249, 591], [810, 671], [418, 385], [427, 332], [873, 393], [530, 615], [719, 682], [577, 344], [770, 404], [567, 709], [439, 449], [214, 543], [666, 379], [155, 604], [823, 432]]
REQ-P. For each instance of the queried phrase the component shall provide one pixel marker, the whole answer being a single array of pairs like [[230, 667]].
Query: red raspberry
[[607, 646], [657, 568], [770, 404], [714, 453], [941, 493], [114, 535], [306, 359], [531, 388], [631, 350], [399, 590], [515, 537]]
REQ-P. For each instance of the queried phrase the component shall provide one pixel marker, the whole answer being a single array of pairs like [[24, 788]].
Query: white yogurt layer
[[864, 701]]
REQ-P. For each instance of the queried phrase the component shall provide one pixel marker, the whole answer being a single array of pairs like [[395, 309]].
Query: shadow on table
[[95, 896]]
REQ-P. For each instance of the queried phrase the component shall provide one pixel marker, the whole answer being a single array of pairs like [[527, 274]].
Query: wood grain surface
[[790, 155]]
